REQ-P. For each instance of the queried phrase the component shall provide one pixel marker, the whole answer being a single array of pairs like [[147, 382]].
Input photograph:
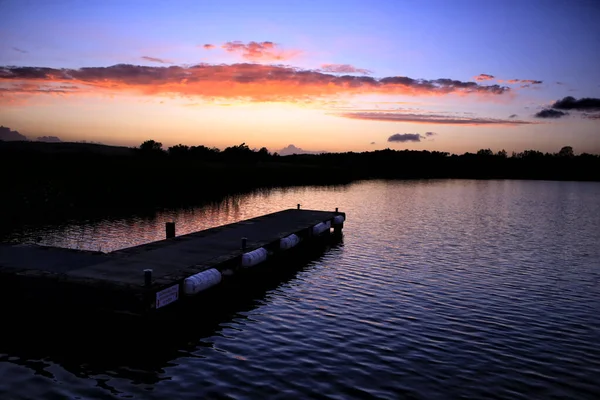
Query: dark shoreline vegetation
[[57, 180]]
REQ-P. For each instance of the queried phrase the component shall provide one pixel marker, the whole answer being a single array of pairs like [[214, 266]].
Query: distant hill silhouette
[[44, 180], [49, 139], [8, 136], [291, 149]]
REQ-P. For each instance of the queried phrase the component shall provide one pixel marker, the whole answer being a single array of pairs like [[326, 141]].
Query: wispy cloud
[[20, 50], [344, 69], [525, 83], [431, 119], [260, 51], [405, 137], [156, 60], [208, 46], [484, 77], [255, 82]]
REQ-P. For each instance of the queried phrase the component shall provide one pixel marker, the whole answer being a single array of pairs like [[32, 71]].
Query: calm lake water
[[440, 289]]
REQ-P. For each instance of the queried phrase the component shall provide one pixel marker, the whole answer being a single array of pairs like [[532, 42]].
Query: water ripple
[[440, 289]]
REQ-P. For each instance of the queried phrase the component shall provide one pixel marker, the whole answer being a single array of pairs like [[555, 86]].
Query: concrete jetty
[[155, 277]]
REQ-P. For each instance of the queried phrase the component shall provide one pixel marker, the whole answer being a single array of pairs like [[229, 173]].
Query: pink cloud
[[344, 69], [259, 51], [431, 119], [484, 77], [255, 82]]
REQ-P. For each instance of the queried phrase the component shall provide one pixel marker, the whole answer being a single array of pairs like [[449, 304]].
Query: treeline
[[65, 178]]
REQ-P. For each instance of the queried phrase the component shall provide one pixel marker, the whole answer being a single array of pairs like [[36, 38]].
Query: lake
[[439, 289]]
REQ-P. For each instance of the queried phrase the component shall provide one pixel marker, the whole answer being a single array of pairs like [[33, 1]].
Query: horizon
[[429, 76]]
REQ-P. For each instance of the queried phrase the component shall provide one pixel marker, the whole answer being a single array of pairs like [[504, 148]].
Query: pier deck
[[116, 281]]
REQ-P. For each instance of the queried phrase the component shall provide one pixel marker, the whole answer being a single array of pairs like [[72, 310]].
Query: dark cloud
[[583, 104], [484, 77], [344, 69], [250, 81], [430, 118], [20, 50], [49, 139], [10, 136], [550, 113], [372, 142], [156, 60], [512, 116], [208, 46], [428, 134], [405, 137]]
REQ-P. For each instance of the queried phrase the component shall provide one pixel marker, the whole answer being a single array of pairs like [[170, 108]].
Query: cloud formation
[[430, 119], [208, 46], [344, 69], [18, 50], [259, 51], [583, 104], [550, 113], [156, 60], [522, 81], [484, 77], [255, 82], [429, 134], [405, 137]]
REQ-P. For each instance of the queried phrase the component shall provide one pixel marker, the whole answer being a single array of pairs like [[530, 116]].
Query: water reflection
[[89, 346], [442, 289], [110, 233]]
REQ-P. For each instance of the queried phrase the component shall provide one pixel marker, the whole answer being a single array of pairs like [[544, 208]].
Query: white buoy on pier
[[288, 242], [254, 257], [201, 281]]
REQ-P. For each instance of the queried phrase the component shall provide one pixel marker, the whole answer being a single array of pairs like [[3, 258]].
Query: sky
[[455, 76]]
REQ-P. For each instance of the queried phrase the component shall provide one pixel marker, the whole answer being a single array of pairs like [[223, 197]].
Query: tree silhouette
[[151, 146], [566, 151]]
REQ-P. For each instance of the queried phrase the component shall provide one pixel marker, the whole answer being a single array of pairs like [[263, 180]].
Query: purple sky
[[323, 75]]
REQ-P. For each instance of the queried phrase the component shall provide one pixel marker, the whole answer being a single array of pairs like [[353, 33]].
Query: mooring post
[[170, 229], [147, 277], [298, 206], [244, 240], [336, 209]]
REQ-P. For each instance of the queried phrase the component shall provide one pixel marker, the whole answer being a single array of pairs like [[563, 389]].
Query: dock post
[[170, 229], [298, 206], [336, 209], [147, 277], [244, 240]]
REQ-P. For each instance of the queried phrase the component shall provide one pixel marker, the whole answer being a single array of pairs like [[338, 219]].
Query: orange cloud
[[259, 51], [208, 46], [431, 119], [253, 82], [344, 69], [484, 77]]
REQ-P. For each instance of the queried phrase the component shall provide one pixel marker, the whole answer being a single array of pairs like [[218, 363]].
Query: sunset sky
[[323, 75]]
